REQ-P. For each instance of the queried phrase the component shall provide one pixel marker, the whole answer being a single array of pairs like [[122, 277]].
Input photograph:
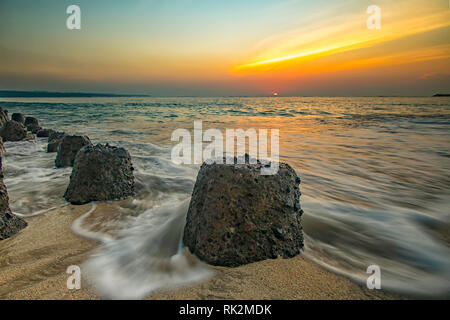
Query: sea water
[[375, 183]]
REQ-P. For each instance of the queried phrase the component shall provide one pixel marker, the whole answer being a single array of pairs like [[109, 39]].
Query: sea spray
[[146, 256]]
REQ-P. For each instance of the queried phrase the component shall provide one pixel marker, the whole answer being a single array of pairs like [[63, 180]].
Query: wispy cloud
[[346, 34]]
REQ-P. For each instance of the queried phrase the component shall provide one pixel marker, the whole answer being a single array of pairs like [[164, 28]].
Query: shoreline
[[33, 265]]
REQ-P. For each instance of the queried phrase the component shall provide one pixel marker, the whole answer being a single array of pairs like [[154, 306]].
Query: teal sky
[[196, 47]]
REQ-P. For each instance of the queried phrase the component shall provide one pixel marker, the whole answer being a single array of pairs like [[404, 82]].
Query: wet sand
[[33, 265]]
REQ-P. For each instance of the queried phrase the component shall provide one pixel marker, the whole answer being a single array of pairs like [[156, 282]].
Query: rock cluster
[[16, 128], [238, 216], [100, 172]]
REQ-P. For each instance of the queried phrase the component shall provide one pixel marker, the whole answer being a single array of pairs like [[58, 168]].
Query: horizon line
[[80, 94]]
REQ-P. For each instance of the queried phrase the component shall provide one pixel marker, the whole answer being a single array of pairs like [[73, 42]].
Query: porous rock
[[100, 173], [238, 216], [68, 149], [13, 131]]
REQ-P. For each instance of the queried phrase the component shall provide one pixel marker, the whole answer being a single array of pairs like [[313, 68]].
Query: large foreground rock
[[68, 149], [54, 140], [238, 216], [10, 224], [100, 172], [13, 131]]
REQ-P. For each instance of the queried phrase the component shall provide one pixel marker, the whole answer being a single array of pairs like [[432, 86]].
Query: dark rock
[[56, 135], [10, 224], [3, 116], [32, 124], [100, 172], [31, 121], [54, 140], [44, 133], [68, 149], [13, 131], [18, 117], [35, 130], [238, 216], [2, 147]]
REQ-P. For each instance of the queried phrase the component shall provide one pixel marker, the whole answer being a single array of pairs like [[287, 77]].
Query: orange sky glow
[[290, 47]]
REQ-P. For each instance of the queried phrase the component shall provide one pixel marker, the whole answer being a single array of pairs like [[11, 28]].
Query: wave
[[146, 256], [375, 179], [347, 239]]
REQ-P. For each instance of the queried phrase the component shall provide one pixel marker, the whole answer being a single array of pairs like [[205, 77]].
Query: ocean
[[375, 184]]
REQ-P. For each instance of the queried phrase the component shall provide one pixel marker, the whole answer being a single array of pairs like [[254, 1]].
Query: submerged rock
[[10, 224], [238, 216], [100, 172], [54, 140], [68, 149], [13, 131], [44, 133], [32, 124], [18, 117]]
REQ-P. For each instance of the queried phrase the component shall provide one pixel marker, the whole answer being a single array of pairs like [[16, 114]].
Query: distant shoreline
[[442, 95], [55, 94], [49, 94]]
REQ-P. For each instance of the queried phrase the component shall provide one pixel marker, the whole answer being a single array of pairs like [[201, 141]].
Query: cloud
[[434, 76], [345, 34]]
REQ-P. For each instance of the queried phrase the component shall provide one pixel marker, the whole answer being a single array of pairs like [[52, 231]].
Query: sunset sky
[[234, 47]]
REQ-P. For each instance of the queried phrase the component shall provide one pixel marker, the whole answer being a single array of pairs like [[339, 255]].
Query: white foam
[[390, 239], [146, 256], [77, 228], [36, 213]]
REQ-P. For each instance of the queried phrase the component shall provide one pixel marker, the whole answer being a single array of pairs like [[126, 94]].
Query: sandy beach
[[33, 265]]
